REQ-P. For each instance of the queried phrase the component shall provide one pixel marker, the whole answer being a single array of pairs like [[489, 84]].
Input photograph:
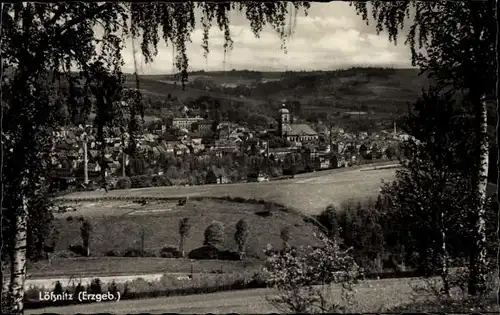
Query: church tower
[[284, 121]]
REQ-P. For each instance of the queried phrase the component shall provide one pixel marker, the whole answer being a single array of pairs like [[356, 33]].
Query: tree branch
[[89, 15]]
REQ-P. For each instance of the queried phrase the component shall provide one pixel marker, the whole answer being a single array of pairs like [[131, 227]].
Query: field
[[119, 225], [308, 193], [123, 266]]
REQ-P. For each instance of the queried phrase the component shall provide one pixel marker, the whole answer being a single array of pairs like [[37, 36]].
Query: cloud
[[332, 36]]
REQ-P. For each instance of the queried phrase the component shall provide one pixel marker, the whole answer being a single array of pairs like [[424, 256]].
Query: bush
[[228, 255], [214, 234], [113, 253], [113, 288], [161, 180], [294, 272], [58, 289], [141, 181], [133, 252], [78, 250], [212, 253], [241, 235], [123, 183], [170, 252], [95, 286], [79, 288], [204, 252], [329, 220]]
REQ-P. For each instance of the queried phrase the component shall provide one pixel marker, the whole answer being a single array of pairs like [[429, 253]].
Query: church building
[[294, 132]]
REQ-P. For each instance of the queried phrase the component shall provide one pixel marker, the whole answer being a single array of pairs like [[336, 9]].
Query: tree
[[329, 219], [42, 44], [241, 236], [214, 234], [453, 43], [390, 152], [285, 236], [58, 289], [184, 228], [432, 198], [85, 230], [295, 274]]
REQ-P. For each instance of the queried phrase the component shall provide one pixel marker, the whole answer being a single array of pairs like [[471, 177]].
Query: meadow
[[307, 193]]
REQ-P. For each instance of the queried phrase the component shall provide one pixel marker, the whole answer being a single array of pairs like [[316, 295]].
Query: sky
[[331, 37]]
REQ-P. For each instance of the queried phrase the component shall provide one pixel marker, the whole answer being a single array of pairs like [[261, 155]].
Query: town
[[191, 150]]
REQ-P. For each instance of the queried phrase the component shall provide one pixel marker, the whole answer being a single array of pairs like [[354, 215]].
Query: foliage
[[184, 227], [85, 231], [171, 252], [58, 289], [329, 220], [214, 234], [241, 235], [113, 288], [296, 273], [285, 235], [453, 43], [433, 196], [95, 286], [123, 183]]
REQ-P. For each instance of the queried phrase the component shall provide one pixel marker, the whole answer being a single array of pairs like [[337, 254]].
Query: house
[[215, 176], [257, 177], [186, 122]]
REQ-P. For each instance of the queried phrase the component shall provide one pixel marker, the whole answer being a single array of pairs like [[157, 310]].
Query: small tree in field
[[214, 234], [241, 236], [184, 228], [85, 230], [285, 236], [301, 277]]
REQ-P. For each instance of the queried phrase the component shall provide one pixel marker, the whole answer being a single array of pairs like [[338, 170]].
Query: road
[[372, 295], [309, 193]]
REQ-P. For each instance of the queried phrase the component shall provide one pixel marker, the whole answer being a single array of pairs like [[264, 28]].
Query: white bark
[[85, 162], [479, 261], [18, 260], [445, 256]]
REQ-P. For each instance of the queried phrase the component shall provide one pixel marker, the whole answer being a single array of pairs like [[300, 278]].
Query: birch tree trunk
[[478, 270], [18, 259], [444, 257]]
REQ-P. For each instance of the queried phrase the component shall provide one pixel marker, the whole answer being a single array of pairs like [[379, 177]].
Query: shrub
[[285, 235], [79, 288], [171, 252], [161, 180], [133, 252], [294, 272], [95, 286], [123, 183], [85, 231], [141, 181], [184, 227], [113, 253], [329, 220], [78, 250], [113, 288], [241, 235], [214, 234], [204, 252], [58, 289], [228, 255]]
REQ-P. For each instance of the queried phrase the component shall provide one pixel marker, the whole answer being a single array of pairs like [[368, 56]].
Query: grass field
[[308, 193], [121, 266], [122, 227]]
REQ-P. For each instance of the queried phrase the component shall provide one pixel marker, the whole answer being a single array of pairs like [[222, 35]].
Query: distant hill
[[378, 89], [312, 95]]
